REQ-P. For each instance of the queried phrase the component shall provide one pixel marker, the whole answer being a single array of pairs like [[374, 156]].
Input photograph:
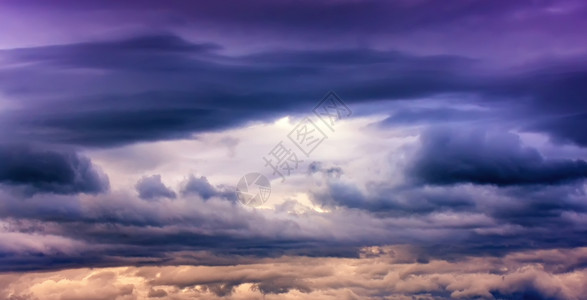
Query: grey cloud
[[151, 187], [466, 193], [569, 128], [50, 171], [141, 99], [157, 293], [316, 167], [539, 207], [163, 87], [479, 157], [200, 186], [485, 217], [447, 221], [409, 116], [384, 200]]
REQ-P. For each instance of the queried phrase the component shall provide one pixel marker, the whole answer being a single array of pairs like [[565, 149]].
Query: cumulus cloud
[[481, 157], [200, 186], [343, 211], [151, 187], [50, 171], [474, 205]]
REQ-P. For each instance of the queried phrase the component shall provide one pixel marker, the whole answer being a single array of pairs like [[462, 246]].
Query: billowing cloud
[[479, 157], [50, 171], [171, 87], [160, 80], [200, 186], [151, 187], [390, 272], [461, 173]]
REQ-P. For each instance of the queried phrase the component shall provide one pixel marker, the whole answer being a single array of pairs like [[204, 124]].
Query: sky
[[435, 149]]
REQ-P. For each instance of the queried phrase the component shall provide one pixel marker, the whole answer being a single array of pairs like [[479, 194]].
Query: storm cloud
[[480, 157], [156, 88], [125, 126], [50, 171]]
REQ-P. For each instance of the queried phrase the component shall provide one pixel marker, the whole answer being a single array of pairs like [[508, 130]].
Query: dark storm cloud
[[409, 116], [481, 157], [118, 228], [384, 200], [485, 220], [50, 171], [538, 206], [567, 128], [151, 187], [163, 87], [205, 91], [476, 192], [553, 100], [516, 197]]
